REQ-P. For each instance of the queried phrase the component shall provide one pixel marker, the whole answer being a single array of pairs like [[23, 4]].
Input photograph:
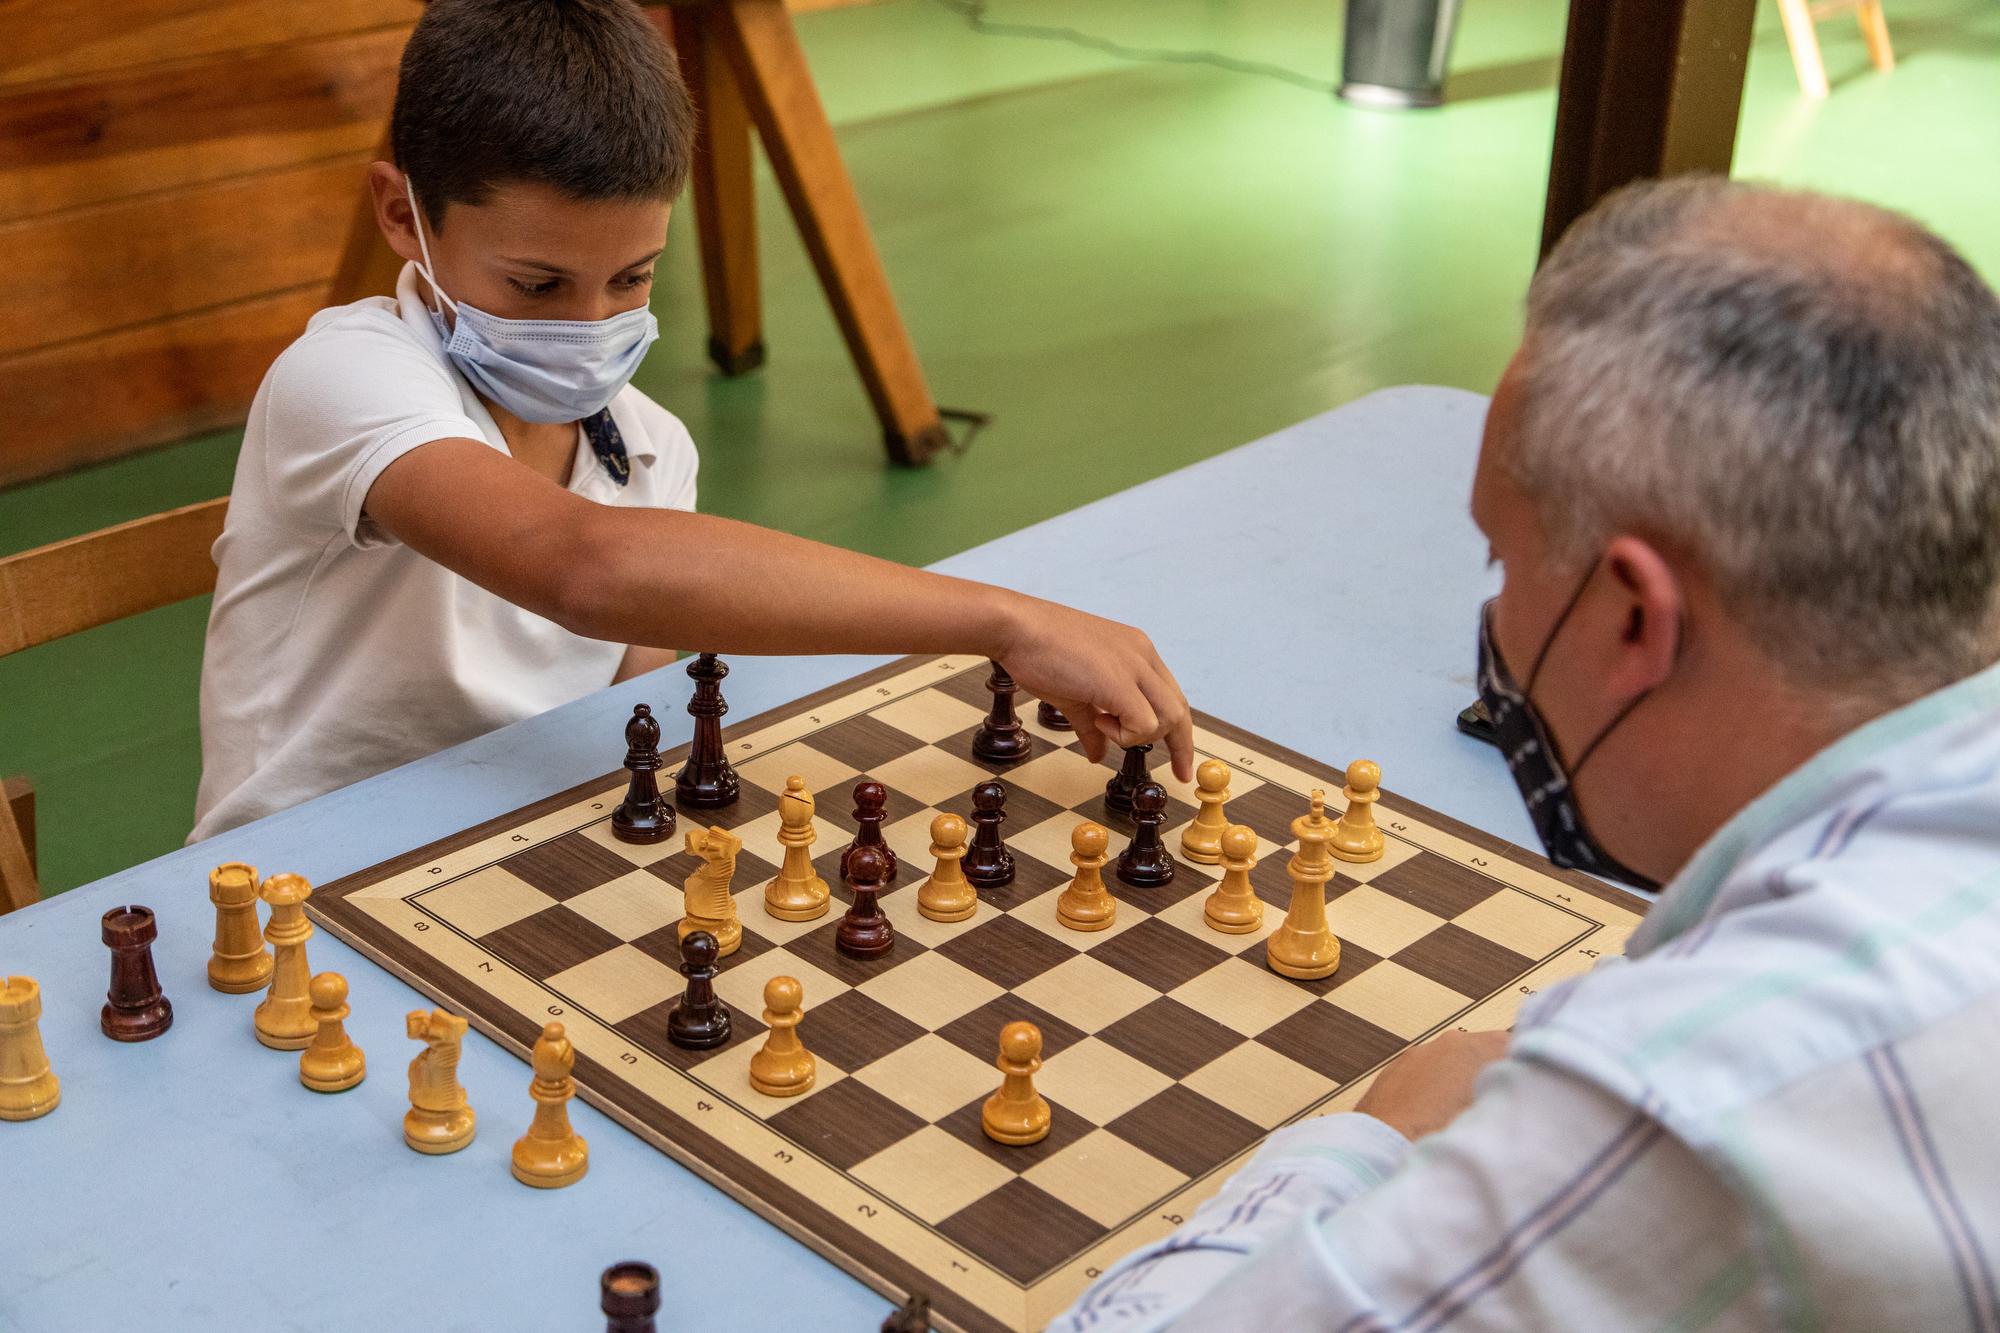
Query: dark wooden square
[[1271, 879], [817, 947], [1440, 887], [1178, 812], [979, 1031], [1328, 1040], [1170, 1037], [550, 941], [751, 869], [664, 946], [752, 802], [1065, 1128], [851, 1030], [1158, 953], [1021, 1230], [1470, 964], [1006, 952], [970, 687], [1185, 1130], [1032, 879], [845, 1123], [834, 809], [864, 743], [648, 1028], [566, 866], [1354, 960], [1269, 810]]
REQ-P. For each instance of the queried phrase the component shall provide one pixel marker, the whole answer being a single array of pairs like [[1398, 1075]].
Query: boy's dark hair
[[582, 95]]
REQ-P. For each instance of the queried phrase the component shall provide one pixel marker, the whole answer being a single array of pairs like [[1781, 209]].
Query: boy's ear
[[393, 213]]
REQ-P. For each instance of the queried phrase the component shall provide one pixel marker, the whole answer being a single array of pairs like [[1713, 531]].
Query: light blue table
[[1318, 587]]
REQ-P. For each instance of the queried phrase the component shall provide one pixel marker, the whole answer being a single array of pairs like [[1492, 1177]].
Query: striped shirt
[[1774, 1113]]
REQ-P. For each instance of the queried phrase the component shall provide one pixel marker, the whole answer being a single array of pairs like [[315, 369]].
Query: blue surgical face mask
[[546, 370], [1535, 763]]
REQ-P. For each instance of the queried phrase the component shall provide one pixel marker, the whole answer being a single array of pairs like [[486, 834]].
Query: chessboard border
[[782, 1205]]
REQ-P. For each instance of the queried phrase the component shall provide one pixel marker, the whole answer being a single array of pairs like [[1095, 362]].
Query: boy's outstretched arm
[[660, 576]]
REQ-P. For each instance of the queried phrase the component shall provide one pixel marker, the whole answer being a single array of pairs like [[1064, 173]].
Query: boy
[[451, 510]]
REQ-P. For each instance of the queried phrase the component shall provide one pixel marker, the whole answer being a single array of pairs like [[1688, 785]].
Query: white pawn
[[1202, 843], [1355, 837], [1234, 908]]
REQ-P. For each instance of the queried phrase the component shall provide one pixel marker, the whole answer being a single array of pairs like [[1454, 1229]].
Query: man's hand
[[1426, 1087], [1106, 678]]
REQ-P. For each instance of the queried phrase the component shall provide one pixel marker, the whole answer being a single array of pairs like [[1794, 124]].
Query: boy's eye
[[542, 288], [632, 281]]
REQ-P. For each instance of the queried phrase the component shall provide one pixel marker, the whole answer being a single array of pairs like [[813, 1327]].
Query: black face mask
[[1537, 765]]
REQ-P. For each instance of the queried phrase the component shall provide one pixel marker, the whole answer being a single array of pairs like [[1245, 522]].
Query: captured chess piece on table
[[629, 1296], [28, 1086], [332, 1063], [1304, 946], [284, 1020], [134, 1007], [1355, 837], [1017, 1115], [644, 816], [1202, 842], [1001, 739], [865, 932], [1145, 862], [1234, 908], [1086, 904], [239, 962], [798, 893], [707, 781], [783, 1067], [988, 864], [1124, 784], [698, 1021], [871, 807], [709, 904], [913, 1316], [439, 1119], [551, 1154], [947, 895]]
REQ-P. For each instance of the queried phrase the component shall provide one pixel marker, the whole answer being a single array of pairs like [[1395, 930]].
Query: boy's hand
[[1426, 1087], [1106, 678]]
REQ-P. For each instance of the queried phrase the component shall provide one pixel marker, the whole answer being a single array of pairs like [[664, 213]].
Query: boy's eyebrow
[[561, 272]]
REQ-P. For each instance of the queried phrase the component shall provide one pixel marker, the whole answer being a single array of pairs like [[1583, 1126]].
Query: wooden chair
[[744, 67], [1803, 38], [55, 591]]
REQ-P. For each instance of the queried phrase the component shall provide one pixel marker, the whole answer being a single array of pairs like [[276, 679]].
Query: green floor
[[1132, 266]]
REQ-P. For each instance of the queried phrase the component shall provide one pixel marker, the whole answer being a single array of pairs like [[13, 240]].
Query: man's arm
[[658, 576], [1548, 1204]]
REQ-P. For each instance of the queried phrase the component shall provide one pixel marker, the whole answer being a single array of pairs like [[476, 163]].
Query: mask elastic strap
[[424, 246], [1609, 727], [1535, 670]]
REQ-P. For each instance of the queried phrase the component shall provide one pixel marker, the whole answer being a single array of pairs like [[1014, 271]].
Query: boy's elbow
[[587, 592]]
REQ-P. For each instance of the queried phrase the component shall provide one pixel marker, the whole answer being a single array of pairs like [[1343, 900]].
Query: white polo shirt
[[334, 652]]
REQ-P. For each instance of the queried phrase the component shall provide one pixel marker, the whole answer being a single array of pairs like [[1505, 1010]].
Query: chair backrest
[[71, 586]]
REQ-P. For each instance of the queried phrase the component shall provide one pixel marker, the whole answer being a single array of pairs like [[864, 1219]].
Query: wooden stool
[[1801, 15], [744, 66]]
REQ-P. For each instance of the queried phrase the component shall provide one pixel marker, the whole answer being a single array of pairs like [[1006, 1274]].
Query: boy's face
[[531, 251]]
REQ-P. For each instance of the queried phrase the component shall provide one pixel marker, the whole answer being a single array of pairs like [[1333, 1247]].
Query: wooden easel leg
[[1799, 35], [18, 887], [725, 199], [368, 267], [777, 85], [1875, 32]]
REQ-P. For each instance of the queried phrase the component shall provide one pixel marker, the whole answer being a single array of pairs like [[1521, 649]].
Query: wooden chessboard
[[1170, 1049]]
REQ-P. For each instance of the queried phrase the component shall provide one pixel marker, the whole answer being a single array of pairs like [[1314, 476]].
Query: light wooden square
[[1104, 1177], [1098, 1081], [631, 905], [930, 990], [639, 854], [1052, 735], [728, 1073], [1049, 843], [760, 837], [1259, 1084], [1063, 776], [750, 911], [1183, 866], [910, 839], [617, 984], [929, 715], [932, 1174], [901, 909], [1397, 1000], [930, 1077], [1394, 853], [1378, 923], [822, 773], [1086, 994], [1187, 914], [485, 901], [1516, 921], [1040, 912], [1243, 995], [930, 774], [1240, 783], [743, 984]]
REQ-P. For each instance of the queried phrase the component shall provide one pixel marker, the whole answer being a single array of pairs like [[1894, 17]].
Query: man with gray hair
[[1743, 477]]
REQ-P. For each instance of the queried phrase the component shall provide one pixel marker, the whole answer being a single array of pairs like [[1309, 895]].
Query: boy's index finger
[[1180, 744]]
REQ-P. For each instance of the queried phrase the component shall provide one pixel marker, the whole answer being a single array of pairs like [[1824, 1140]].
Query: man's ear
[[1653, 615], [393, 213]]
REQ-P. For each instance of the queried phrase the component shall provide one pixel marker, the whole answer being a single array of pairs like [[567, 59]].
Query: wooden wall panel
[[151, 130]]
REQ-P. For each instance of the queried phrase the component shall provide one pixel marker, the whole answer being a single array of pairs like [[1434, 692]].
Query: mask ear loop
[[1527, 691], [424, 246]]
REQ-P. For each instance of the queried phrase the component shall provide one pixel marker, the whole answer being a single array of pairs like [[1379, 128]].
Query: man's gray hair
[[1800, 394]]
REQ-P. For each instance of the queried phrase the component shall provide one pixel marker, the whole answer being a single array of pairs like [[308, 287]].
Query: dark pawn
[[134, 1009], [1001, 739], [864, 932], [1052, 717], [629, 1295], [1145, 862], [644, 817], [988, 864], [706, 781], [871, 800], [698, 1022], [914, 1316], [1119, 791]]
